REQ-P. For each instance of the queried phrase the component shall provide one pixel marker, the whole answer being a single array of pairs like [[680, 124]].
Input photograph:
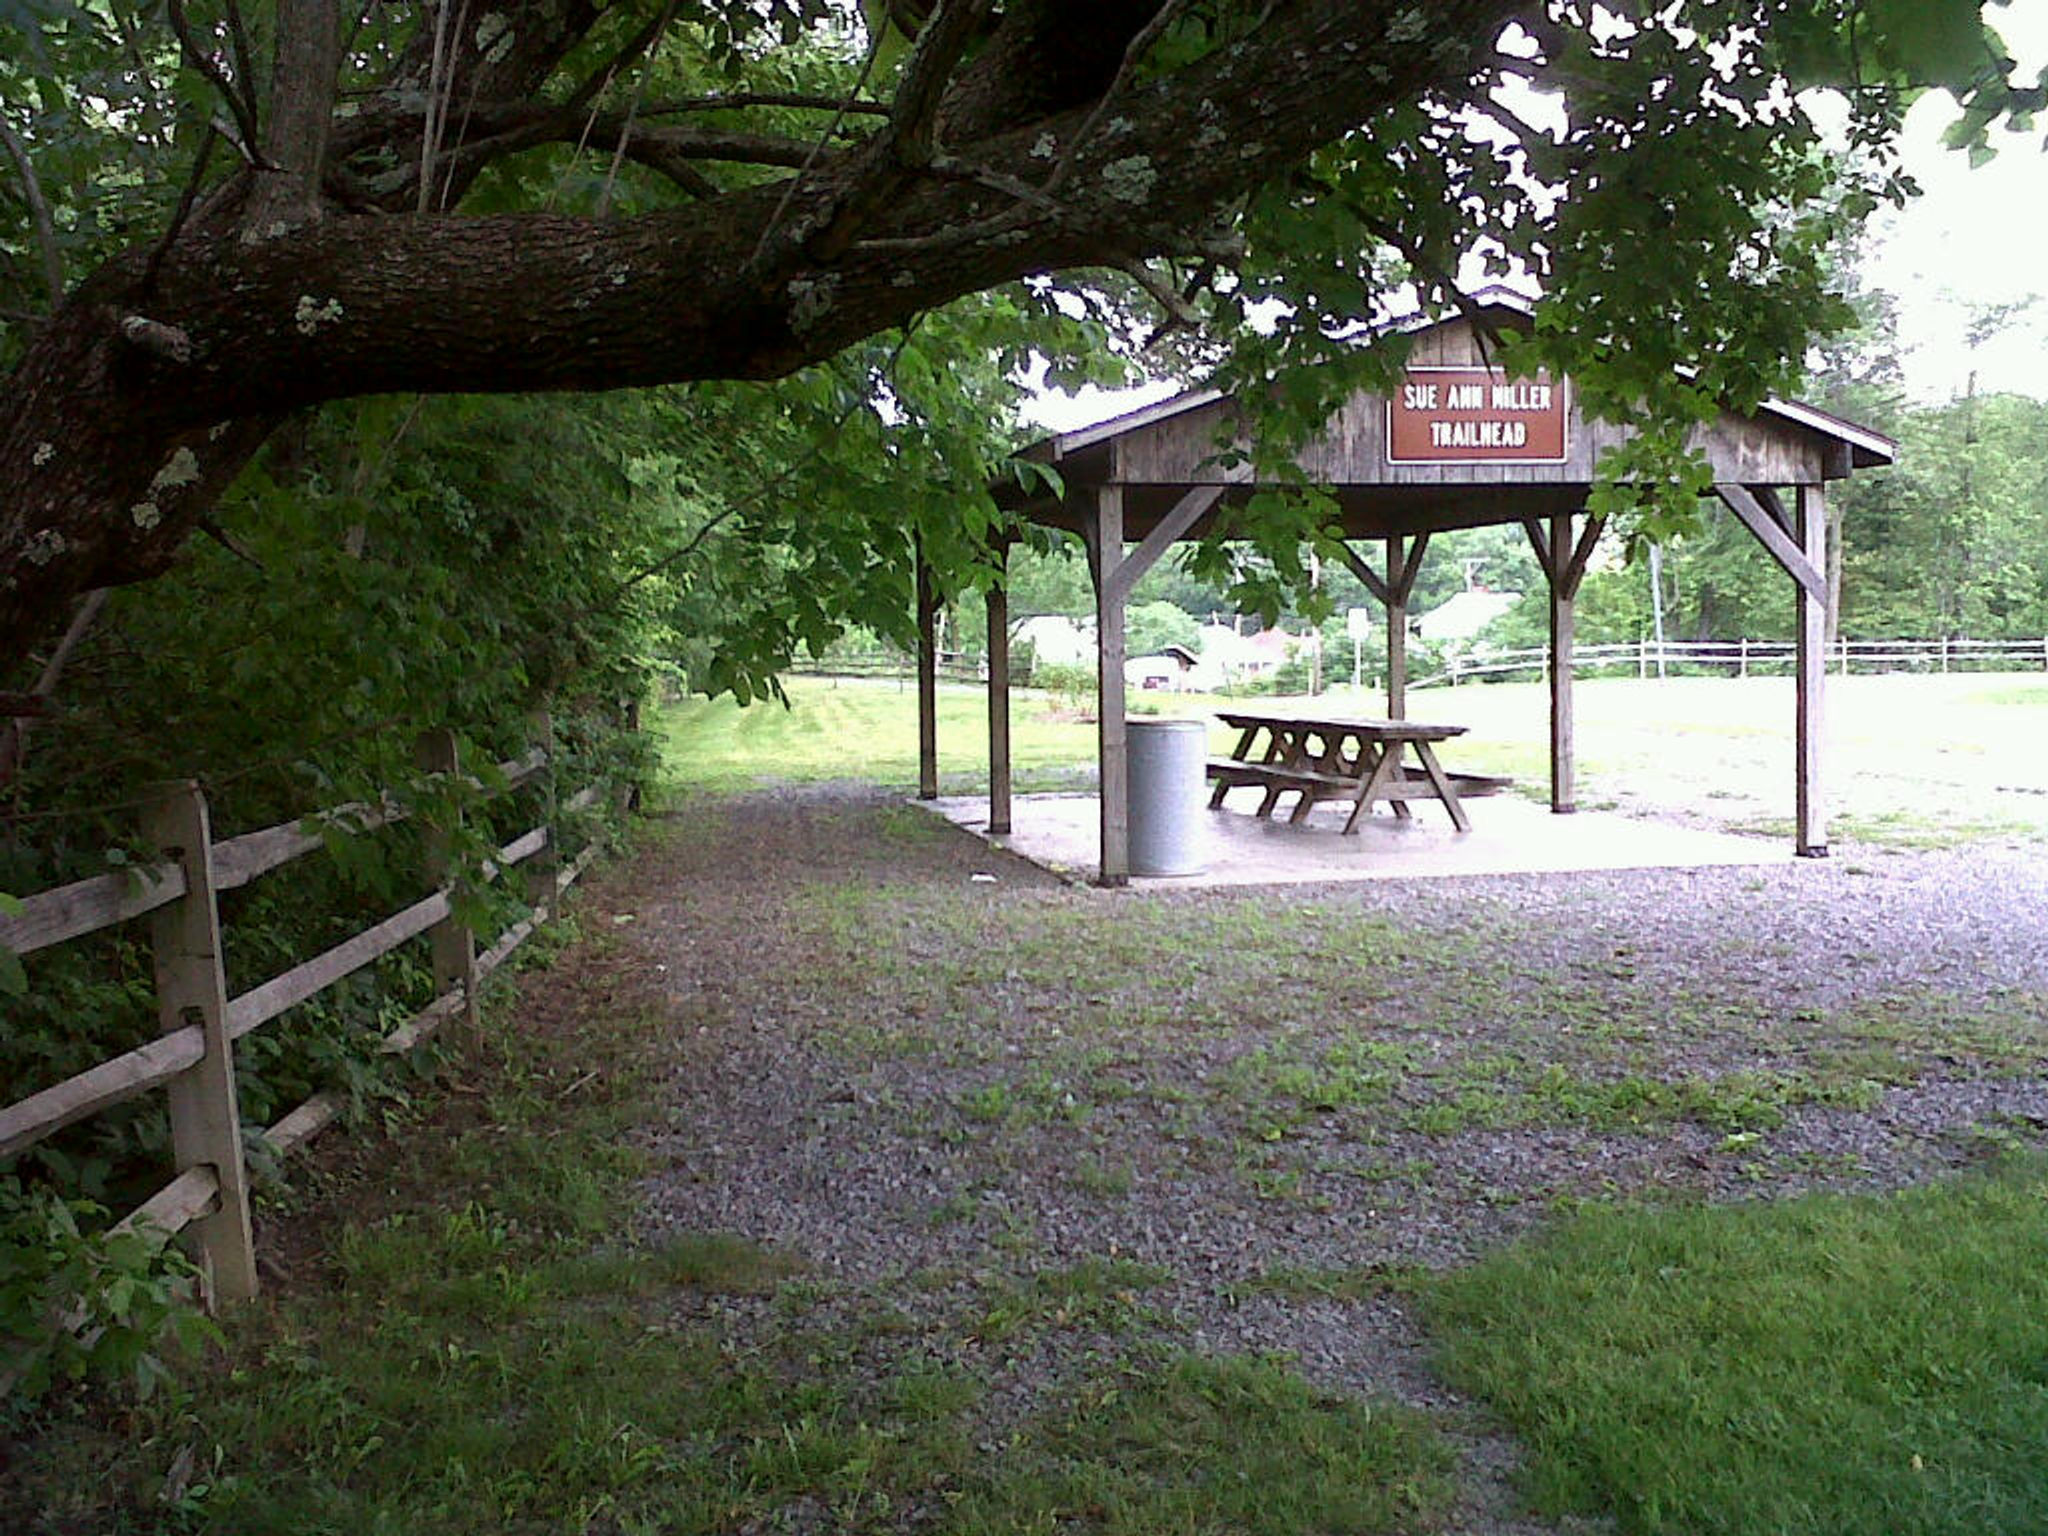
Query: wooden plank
[[1115, 866], [1751, 513], [927, 684], [1539, 541], [238, 860], [422, 1025], [1810, 670], [522, 847], [191, 989], [304, 1123], [584, 798], [261, 1004], [88, 905], [186, 1199], [998, 603], [28, 1121], [1426, 755], [1193, 506], [523, 768]]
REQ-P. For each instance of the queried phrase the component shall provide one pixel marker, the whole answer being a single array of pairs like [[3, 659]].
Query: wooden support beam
[[1369, 577], [1582, 555], [927, 684], [1750, 509], [999, 694], [1108, 545], [191, 989], [1811, 668], [1404, 560], [451, 944], [1179, 519], [1539, 541], [1563, 747], [1404, 583]]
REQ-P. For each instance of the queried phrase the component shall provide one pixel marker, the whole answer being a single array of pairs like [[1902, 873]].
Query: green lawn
[[1867, 1366], [1912, 761]]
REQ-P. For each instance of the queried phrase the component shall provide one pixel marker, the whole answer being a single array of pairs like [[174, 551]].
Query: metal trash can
[[1168, 762]]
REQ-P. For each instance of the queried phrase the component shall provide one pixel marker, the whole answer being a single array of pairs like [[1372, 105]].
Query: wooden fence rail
[[193, 1058]]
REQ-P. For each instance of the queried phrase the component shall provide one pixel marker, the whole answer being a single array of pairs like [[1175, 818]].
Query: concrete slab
[[1508, 836]]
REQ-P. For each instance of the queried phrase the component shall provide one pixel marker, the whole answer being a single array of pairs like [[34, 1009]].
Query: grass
[[1830, 1365], [865, 730], [1719, 748], [484, 1346]]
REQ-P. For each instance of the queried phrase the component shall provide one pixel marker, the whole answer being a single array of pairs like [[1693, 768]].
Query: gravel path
[[930, 1085]]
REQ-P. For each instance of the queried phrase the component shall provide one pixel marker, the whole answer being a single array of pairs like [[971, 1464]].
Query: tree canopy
[[224, 212]]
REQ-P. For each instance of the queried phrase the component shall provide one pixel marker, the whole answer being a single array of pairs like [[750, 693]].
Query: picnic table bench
[[1337, 759]]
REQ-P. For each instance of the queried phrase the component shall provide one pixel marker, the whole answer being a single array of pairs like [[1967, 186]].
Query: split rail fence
[[1744, 658], [192, 1059]]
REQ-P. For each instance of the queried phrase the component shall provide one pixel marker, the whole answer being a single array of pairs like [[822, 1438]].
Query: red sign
[[1475, 416]]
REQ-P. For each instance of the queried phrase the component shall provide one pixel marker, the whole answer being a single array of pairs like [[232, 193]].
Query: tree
[[551, 194]]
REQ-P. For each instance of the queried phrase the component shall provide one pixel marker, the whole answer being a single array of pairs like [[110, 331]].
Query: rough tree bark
[[313, 279]]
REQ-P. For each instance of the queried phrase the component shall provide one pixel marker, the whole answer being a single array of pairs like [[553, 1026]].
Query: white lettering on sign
[[1443, 414], [1478, 434]]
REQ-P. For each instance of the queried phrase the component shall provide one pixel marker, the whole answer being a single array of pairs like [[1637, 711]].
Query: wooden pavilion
[[1455, 445]]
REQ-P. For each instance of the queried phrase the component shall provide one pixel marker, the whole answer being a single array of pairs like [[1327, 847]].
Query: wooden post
[[999, 695], [1108, 545], [1398, 587], [1811, 525], [452, 945], [927, 684], [191, 988], [629, 792], [541, 867], [1563, 763]]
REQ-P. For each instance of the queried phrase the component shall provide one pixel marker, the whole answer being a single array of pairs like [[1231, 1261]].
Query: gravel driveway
[[1272, 1109]]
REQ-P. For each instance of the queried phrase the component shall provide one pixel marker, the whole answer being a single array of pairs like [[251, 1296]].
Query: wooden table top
[[1372, 730]]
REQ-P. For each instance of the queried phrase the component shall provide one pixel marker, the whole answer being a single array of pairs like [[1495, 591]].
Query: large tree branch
[[111, 450]]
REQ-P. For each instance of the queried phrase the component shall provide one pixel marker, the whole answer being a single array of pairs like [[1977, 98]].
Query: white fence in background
[[1745, 658]]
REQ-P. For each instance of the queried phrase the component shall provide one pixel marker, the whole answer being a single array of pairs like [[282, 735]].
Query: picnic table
[[1336, 759]]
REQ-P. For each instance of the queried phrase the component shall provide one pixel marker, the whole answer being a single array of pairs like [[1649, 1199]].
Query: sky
[[1973, 237]]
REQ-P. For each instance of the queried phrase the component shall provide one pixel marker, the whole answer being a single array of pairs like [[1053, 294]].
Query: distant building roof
[[1465, 615]]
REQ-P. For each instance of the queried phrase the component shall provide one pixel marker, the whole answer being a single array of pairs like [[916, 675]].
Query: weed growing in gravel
[[1206, 1445], [1361, 1282]]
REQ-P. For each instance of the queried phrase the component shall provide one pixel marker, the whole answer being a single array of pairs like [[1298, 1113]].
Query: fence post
[[629, 794], [192, 988], [452, 944], [540, 869]]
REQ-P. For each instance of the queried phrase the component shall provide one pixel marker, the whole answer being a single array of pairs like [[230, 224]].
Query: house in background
[[1171, 671], [1057, 641], [1228, 657], [1465, 616]]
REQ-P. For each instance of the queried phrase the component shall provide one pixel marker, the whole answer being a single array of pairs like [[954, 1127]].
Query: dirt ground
[[929, 1073]]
